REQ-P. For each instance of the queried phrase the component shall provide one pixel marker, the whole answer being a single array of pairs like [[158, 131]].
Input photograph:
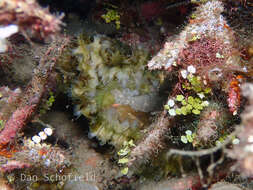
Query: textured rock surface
[[225, 186], [90, 170]]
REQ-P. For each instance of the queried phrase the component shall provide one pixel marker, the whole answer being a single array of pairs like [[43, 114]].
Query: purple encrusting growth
[[207, 22]]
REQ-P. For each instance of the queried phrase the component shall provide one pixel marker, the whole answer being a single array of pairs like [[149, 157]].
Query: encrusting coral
[[207, 58], [21, 109], [30, 18], [110, 85], [17, 109], [243, 152], [209, 45], [213, 120], [152, 144], [206, 21]]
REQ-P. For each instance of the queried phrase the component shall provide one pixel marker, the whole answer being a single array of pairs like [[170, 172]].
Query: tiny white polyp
[[43, 135], [36, 139], [48, 131]]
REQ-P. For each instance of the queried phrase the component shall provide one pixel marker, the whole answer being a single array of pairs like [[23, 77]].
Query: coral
[[30, 18], [40, 160], [113, 88], [208, 45], [110, 85], [207, 58], [206, 32], [27, 102], [132, 39], [204, 54], [152, 144], [15, 123], [213, 120], [243, 152], [234, 95], [9, 97], [51, 158], [11, 165], [17, 108]]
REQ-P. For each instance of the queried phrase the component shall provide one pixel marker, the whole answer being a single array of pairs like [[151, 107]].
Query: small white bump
[[184, 73], [188, 132], [191, 69], [218, 143], [171, 103], [172, 112], [250, 139], [36, 139], [43, 135], [47, 162], [236, 141], [248, 148], [201, 95], [48, 131], [205, 103]]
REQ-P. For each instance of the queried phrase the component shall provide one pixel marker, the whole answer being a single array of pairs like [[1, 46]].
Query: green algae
[[107, 81]]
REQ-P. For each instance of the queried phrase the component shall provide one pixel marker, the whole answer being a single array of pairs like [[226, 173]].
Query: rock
[[88, 166], [225, 186]]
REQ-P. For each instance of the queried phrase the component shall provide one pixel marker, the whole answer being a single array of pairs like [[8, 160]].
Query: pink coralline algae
[[207, 29], [243, 152], [11, 165], [30, 17], [210, 46], [15, 123]]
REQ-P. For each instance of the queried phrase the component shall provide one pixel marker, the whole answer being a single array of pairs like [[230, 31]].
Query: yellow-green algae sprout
[[112, 15], [113, 88]]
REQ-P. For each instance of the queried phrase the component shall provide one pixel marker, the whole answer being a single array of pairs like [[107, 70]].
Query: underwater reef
[[128, 95]]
